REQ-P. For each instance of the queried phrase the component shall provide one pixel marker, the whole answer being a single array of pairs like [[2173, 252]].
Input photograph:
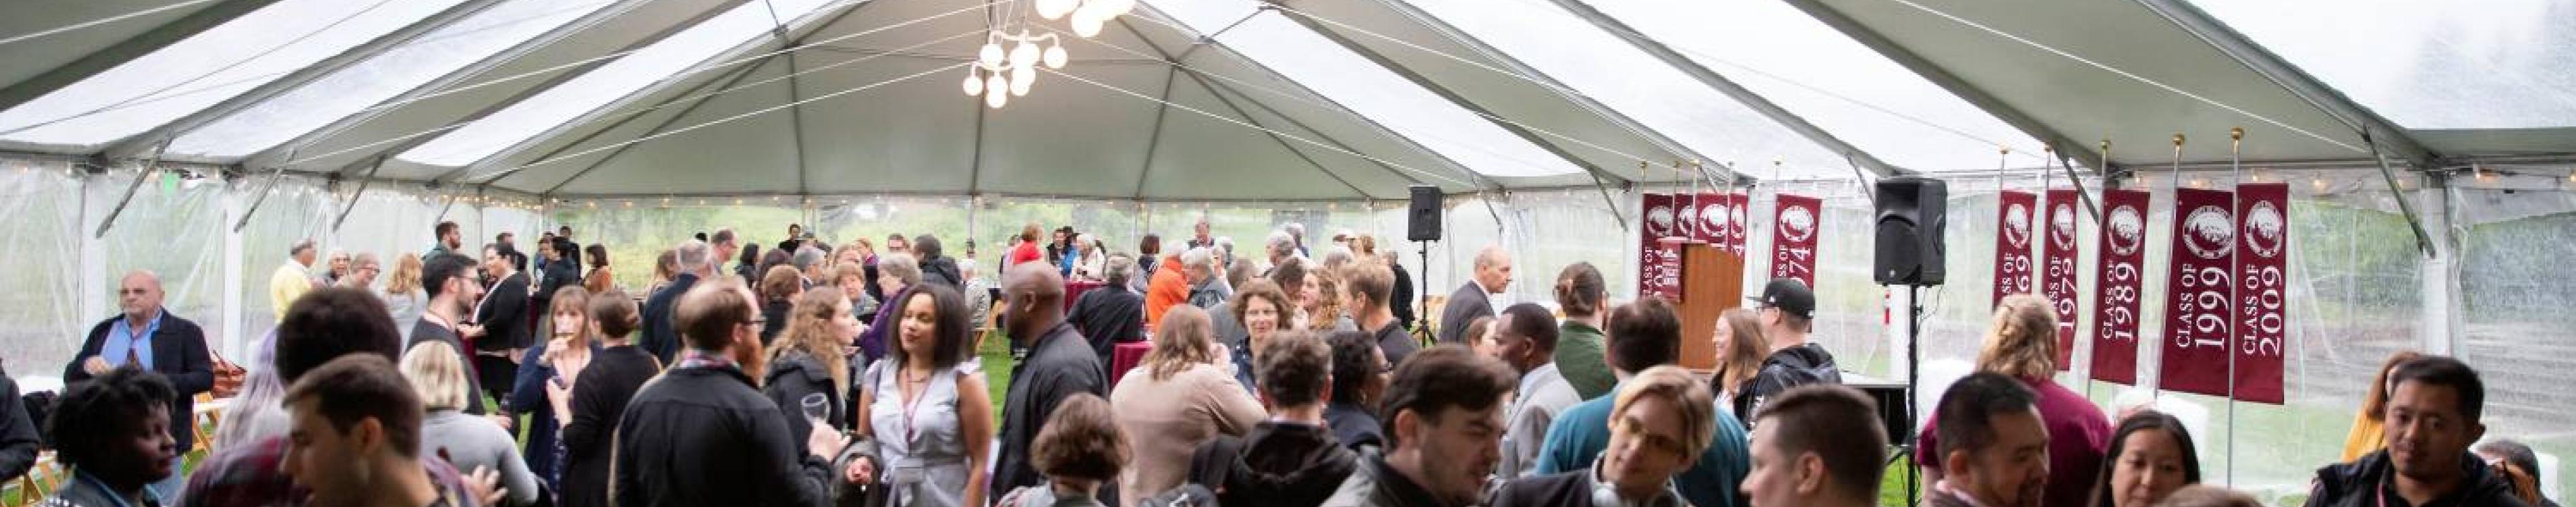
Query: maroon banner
[[1793, 238], [2057, 271], [2197, 305], [1659, 262], [2262, 256], [2012, 244], [1720, 221], [2119, 281]]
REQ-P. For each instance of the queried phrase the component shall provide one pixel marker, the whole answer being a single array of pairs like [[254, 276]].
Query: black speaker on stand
[[1912, 214], [1422, 226]]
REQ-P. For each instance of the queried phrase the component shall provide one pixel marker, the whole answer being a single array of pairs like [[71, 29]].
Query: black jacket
[[790, 379], [1108, 316], [942, 269], [704, 437], [1402, 299], [1569, 489], [775, 311], [178, 354], [1059, 365], [1277, 465], [1790, 367], [661, 337], [504, 316], [599, 397], [1353, 426], [1464, 305], [2364, 481], [18, 441]]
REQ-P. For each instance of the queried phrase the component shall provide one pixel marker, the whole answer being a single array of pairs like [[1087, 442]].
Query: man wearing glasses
[[1788, 311], [146, 336]]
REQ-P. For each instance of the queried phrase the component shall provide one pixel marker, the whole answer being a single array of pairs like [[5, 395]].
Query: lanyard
[[909, 432]]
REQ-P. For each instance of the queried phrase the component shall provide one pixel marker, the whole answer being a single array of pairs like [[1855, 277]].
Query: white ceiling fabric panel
[[207, 68], [1830, 80], [2428, 65], [380, 77]]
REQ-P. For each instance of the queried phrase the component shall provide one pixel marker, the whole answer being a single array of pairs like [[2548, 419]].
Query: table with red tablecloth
[[1125, 357]]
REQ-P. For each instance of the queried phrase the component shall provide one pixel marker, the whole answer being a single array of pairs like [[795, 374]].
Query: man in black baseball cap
[[1788, 311]]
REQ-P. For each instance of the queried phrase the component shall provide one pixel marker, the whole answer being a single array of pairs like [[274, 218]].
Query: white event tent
[[2429, 146]]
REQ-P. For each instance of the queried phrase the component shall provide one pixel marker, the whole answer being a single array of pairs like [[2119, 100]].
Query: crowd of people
[[849, 375]]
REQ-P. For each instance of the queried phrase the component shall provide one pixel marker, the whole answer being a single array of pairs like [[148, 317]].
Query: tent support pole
[[2423, 241], [1597, 184], [2068, 164], [150, 165], [273, 177], [362, 192]]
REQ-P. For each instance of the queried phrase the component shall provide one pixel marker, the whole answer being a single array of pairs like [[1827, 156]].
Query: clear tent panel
[[1608, 70], [1365, 87], [674, 57], [365, 85], [2428, 65], [209, 67], [1834, 82], [42, 201]]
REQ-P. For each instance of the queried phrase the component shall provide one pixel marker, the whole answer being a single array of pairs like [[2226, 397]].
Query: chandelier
[[998, 74]]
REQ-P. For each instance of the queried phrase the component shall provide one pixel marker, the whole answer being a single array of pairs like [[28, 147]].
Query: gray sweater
[[472, 442]]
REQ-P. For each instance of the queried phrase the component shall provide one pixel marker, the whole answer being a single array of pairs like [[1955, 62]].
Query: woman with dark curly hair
[[113, 432]]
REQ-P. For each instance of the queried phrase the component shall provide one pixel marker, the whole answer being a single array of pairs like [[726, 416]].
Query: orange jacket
[[1168, 287]]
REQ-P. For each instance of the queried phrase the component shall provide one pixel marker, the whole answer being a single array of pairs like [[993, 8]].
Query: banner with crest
[[2012, 244], [2118, 286], [2262, 263], [2057, 269], [2198, 306], [1793, 237], [1659, 263]]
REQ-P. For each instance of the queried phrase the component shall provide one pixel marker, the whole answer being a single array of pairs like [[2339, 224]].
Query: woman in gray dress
[[926, 407]]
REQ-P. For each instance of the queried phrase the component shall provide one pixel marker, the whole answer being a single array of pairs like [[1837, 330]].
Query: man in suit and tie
[[147, 336], [1475, 299]]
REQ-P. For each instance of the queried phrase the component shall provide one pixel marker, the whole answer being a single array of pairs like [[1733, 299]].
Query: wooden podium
[[1712, 281]]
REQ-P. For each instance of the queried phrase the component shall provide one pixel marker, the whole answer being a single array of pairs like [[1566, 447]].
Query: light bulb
[[1087, 23], [997, 98], [996, 84], [974, 84], [1055, 9], [1024, 55], [990, 55], [1055, 56], [1021, 79]]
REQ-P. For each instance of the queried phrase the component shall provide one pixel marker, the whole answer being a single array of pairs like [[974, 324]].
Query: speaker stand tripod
[[1422, 282], [1905, 451]]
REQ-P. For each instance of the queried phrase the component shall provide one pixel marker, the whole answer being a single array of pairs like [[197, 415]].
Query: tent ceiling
[[1238, 100]]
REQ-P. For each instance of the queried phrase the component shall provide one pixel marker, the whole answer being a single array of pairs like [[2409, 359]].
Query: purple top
[[872, 342], [2077, 435]]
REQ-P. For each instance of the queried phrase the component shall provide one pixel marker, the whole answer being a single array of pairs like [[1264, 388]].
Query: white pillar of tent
[[231, 311], [93, 252], [2440, 326]]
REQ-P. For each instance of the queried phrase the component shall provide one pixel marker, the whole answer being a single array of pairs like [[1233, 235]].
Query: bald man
[[147, 336], [1060, 364], [1493, 275]]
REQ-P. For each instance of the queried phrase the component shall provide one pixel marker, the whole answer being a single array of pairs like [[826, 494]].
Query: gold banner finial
[[2177, 140]]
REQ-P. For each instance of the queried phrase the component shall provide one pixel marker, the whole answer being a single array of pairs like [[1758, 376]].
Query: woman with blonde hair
[[2364, 437], [1740, 351], [666, 267], [403, 294], [572, 339], [809, 366], [2022, 344], [1183, 395], [468, 441], [1323, 303]]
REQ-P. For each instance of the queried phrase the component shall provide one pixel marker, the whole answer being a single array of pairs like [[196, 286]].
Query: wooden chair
[[41, 480]]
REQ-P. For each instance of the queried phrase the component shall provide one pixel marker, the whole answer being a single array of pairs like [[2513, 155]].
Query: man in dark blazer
[[146, 335], [660, 337], [1493, 275]]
